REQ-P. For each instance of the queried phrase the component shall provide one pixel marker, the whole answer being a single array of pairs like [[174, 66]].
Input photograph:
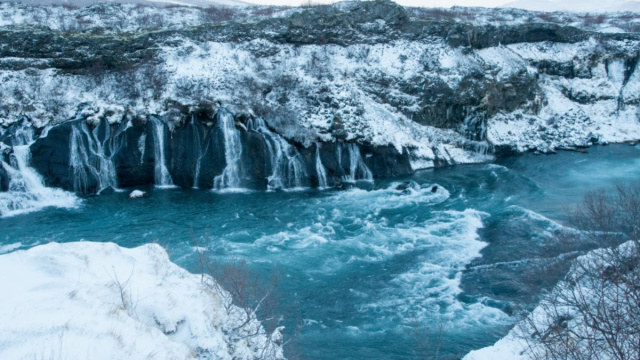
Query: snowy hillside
[[98, 300], [160, 3], [419, 87], [577, 5]]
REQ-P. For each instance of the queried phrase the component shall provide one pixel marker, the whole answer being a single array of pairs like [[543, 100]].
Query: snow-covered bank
[[592, 313], [98, 300]]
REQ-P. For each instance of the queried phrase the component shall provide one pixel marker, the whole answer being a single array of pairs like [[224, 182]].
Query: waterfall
[[142, 147], [27, 191], [92, 159], [197, 142], [358, 170], [287, 168], [161, 174], [230, 177], [320, 170]]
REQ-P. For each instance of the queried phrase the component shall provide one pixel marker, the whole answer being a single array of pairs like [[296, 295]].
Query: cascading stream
[[162, 177], [27, 191], [358, 170], [287, 169], [201, 152], [320, 170], [230, 177]]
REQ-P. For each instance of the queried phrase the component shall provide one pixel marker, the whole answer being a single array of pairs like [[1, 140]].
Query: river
[[461, 250]]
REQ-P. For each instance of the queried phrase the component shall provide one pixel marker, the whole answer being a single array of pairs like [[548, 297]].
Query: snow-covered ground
[[101, 301]]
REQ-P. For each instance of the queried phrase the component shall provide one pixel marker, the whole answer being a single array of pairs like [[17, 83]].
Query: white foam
[[429, 290]]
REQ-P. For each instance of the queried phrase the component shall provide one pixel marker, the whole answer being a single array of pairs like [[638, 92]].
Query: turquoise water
[[360, 271]]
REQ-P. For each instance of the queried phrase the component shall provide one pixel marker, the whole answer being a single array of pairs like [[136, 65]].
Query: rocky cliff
[[263, 97]]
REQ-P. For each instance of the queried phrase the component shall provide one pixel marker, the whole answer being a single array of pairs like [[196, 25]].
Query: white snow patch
[[66, 301], [136, 194]]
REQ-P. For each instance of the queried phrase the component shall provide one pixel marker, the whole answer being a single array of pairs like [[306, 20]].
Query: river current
[[455, 255]]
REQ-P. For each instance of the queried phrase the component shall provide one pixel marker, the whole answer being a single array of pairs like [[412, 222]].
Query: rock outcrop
[[87, 158]]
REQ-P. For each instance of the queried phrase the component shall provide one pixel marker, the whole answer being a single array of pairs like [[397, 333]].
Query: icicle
[[161, 174], [230, 177], [320, 170]]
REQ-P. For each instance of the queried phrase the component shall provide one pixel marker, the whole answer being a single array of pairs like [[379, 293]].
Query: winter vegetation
[[594, 312]]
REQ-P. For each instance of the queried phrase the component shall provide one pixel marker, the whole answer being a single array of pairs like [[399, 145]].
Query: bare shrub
[[594, 313], [245, 295], [437, 14], [124, 291], [427, 343], [318, 65], [266, 11], [154, 80], [218, 14], [309, 4]]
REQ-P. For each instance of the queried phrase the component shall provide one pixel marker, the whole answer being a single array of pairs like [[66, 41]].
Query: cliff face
[[139, 92]]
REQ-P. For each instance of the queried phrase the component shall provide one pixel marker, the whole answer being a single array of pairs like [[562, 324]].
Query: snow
[[507, 348], [575, 110], [136, 194], [597, 6], [66, 301]]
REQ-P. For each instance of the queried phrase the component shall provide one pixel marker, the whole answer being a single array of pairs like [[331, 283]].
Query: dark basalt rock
[[133, 167], [183, 147], [4, 177], [50, 156], [386, 161], [332, 159], [193, 149], [383, 161], [255, 159], [212, 162], [408, 187], [4, 180], [504, 151]]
